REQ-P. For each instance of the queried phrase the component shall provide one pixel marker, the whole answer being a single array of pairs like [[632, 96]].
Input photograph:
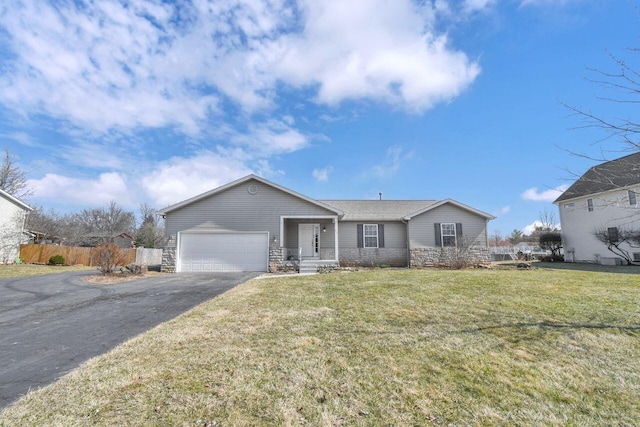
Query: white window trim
[[455, 234], [365, 235]]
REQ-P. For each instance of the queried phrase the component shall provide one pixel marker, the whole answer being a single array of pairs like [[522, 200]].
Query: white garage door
[[223, 252]]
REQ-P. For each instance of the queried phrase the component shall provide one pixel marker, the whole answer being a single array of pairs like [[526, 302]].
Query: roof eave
[[16, 201]]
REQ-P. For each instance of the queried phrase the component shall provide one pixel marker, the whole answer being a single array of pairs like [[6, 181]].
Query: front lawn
[[23, 270], [380, 347]]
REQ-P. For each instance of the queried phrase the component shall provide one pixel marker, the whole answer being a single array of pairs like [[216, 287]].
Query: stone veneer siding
[[169, 255], [429, 257], [276, 259], [395, 257], [419, 257]]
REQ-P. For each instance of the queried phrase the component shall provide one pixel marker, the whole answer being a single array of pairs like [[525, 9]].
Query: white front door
[[309, 240]]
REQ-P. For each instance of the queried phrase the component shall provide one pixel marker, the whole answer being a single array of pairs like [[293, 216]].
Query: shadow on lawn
[[596, 268], [555, 325]]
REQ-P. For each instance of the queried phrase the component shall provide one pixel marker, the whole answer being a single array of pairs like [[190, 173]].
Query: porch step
[[309, 266]]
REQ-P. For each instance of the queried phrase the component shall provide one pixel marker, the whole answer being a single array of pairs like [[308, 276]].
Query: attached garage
[[222, 251]]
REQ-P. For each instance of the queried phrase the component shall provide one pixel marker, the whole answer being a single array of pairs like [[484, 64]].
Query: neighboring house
[[123, 240], [508, 251], [604, 198], [40, 238], [13, 215], [255, 225]]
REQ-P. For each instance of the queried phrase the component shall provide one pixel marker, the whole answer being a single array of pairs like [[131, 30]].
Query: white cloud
[[105, 188], [535, 224], [180, 178], [391, 165], [322, 175], [477, 5], [505, 210], [376, 50], [543, 196], [146, 64], [269, 138], [531, 227], [546, 2], [22, 138]]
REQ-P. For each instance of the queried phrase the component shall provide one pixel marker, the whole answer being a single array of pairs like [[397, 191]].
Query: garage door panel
[[223, 252]]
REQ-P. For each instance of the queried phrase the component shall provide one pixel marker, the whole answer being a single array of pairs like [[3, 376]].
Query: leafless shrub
[[108, 257]]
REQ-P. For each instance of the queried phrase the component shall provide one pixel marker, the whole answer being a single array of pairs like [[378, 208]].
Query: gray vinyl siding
[[421, 228], [395, 234], [236, 210]]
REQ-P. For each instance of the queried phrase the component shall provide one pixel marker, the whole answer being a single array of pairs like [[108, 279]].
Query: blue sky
[[152, 101]]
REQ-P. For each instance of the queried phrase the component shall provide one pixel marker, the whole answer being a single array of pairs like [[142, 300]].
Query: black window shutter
[[381, 235], [458, 230], [360, 236], [437, 231]]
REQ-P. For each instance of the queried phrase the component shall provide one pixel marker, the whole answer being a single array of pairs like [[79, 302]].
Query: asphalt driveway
[[51, 324]]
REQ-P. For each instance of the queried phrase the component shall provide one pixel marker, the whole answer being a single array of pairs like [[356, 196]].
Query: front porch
[[305, 242]]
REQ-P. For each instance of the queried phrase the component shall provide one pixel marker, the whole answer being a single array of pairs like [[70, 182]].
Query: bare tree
[[616, 238], [496, 238], [13, 180], [99, 225], [149, 234], [50, 223]]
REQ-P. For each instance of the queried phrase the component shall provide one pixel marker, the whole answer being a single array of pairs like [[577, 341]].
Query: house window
[[636, 256], [448, 231], [568, 205], [632, 198], [370, 235], [613, 234], [590, 205]]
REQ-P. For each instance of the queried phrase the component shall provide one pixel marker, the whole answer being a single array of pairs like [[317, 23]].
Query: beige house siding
[[610, 209], [12, 220]]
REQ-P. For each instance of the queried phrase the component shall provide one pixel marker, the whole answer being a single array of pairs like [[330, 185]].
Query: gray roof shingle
[[618, 173], [378, 210]]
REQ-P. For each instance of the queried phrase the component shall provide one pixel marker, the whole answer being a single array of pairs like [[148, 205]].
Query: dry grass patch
[[24, 270], [117, 277], [383, 347]]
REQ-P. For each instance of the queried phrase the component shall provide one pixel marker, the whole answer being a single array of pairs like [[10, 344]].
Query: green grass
[[380, 347], [24, 270]]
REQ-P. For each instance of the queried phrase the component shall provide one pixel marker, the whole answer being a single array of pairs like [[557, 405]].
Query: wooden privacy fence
[[40, 254]]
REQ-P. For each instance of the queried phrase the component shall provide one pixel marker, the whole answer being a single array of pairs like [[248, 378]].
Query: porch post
[[281, 237], [335, 230]]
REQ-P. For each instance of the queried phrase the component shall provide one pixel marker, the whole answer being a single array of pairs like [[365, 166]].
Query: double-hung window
[[448, 232], [590, 205], [370, 235]]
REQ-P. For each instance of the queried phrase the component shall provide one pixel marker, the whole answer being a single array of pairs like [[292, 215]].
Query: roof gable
[[15, 201], [239, 182], [619, 173], [454, 203]]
